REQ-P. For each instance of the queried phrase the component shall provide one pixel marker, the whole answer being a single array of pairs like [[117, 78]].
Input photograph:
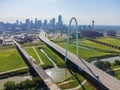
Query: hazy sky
[[102, 11]]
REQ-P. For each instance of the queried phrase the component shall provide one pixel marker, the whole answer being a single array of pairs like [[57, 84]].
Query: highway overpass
[[100, 76], [45, 77]]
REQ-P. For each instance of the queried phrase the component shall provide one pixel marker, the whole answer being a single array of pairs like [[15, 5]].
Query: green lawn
[[97, 46], [47, 63], [45, 60], [57, 59], [109, 40], [33, 54], [88, 86], [91, 44], [10, 59], [86, 53], [77, 79], [117, 73], [114, 66]]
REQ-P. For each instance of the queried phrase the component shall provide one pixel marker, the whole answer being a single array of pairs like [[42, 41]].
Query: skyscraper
[[60, 22], [27, 24], [27, 21], [31, 24], [44, 24], [93, 24], [59, 19], [36, 22], [53, 22], [39, 24]]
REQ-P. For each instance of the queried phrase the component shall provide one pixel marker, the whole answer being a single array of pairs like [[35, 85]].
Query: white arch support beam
[[68, 35]]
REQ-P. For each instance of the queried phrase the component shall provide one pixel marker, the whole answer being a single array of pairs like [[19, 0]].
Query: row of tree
[[33, 84], [103, 43]]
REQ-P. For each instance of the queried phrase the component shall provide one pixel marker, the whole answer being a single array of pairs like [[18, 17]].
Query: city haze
[[104, 12]]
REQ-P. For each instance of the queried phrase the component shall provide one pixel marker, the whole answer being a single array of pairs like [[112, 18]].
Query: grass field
[[59, 61], [46, 62], [10, 59], [96, 45], [99, 47], [114, 66], [88, 86], [33, 54], [117, 73], [77, 79], [109, 40], [86, 53]]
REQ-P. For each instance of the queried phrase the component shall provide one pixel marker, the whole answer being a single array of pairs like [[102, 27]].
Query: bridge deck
[[48, 81], [104, 78]]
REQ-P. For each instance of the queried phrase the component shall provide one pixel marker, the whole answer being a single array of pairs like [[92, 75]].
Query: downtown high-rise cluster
[[53, 24]]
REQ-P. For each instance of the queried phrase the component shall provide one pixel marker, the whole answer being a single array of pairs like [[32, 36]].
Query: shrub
[[104, 65], [10, 85]]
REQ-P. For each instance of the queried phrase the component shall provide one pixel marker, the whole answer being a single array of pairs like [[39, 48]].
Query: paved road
[[48, 81], [102, 77]]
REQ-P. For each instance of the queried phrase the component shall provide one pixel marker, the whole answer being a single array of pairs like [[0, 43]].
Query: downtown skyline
[[104, 12]]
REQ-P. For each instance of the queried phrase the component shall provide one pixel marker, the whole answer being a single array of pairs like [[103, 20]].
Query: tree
[[38, 82], [10, 85], [104, 65], [19, 86], [27, 84], [99, 64], [117, 62], [33, 84], [107, 64]]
